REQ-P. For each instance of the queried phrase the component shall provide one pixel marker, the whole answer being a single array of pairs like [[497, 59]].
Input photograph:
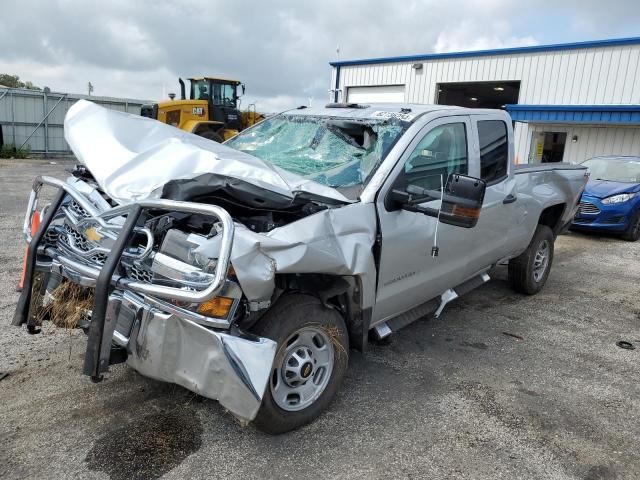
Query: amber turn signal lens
[[459, 211], [216, 307]]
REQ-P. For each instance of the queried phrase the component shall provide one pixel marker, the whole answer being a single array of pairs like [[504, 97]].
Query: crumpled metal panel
[[233, 370], [336, 241], [133, 157]]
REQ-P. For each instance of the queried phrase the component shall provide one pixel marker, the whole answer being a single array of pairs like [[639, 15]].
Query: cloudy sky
[[280, 49]]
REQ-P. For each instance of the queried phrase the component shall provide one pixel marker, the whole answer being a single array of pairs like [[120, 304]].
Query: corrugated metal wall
[[587, 76], [23, 112], [593, 141], [606, 75]]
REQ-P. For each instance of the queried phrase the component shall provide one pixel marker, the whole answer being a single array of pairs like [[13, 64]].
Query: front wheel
[[309, 365], [632, 233], [529, 271]]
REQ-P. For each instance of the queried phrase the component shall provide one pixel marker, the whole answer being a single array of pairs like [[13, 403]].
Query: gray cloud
[[280, 49]]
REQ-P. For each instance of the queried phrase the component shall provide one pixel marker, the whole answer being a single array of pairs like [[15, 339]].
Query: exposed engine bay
[[257, 214]]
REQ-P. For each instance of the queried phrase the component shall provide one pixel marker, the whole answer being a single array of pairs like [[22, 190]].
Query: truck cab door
[[501, 210], [408, 274]]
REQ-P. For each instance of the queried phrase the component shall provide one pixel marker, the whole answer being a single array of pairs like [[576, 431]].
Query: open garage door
[[478, 94], [379, 94]]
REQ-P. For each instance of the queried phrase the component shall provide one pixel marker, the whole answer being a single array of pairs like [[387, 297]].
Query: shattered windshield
[[336, 152]]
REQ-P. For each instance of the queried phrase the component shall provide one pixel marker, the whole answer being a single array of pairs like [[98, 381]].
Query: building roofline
[[612, 42], [518, 107], [576, 114]]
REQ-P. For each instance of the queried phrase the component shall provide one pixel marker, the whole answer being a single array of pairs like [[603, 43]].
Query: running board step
[[472, 283], [435, 306], [463, 288]]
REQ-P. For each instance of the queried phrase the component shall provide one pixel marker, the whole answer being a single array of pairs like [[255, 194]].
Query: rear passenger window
[[494, 150]]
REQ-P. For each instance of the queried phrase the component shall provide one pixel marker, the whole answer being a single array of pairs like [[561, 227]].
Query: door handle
[[509, 199]]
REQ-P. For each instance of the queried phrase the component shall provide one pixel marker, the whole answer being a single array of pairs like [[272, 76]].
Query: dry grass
[[37, 310], [70, 304], [334, 335]]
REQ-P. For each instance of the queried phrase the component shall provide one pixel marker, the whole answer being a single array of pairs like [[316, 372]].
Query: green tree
[[13, 81]]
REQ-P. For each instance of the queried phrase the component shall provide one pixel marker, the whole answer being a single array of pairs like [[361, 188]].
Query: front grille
[[77, 209], [583, 220], [141, 274], [79, 241], [51, 236], [99, 258], [173, 117], [588, 208]]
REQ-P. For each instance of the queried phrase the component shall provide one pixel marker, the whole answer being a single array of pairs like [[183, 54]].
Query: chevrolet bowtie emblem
[[92, 234]]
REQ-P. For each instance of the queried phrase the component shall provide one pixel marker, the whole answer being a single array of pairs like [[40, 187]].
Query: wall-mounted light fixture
[[473, 99], [574, 139], [417, 66]]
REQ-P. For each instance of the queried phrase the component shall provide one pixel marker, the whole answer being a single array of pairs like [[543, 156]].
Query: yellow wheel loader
[[211, 111]]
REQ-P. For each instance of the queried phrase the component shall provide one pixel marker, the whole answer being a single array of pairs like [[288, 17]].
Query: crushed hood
[[132, 157]]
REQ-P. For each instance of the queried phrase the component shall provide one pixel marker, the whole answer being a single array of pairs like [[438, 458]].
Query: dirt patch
[[149, 447]]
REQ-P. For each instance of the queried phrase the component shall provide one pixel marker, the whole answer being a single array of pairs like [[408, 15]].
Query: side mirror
[[461, 200]]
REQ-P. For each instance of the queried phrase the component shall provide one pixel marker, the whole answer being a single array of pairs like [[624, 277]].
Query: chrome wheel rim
[[302, 369], [541, 261]]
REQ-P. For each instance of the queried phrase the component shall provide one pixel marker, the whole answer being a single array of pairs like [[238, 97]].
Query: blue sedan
[[611, 199]]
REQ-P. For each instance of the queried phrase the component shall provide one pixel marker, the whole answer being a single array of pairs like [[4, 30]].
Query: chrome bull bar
[[192, 296], [103, 325]]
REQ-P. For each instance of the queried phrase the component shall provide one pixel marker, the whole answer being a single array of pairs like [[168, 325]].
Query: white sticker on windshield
[[407, 117]]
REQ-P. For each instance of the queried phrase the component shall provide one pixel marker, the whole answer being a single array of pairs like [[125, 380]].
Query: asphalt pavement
[[501, 386]]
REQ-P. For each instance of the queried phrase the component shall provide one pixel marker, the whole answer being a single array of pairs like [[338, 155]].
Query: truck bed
[[546, 167]]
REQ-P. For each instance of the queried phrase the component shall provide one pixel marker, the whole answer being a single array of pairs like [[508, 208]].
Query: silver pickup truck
[[246, 271]]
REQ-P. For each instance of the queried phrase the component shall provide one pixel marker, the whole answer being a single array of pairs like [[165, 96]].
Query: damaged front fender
[[334, 241]]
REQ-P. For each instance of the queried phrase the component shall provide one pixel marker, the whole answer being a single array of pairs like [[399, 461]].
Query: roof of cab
[[411, 111], [221, 79]]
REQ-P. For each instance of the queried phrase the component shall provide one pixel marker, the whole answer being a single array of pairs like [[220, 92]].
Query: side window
[[442, 151], [494, 150]]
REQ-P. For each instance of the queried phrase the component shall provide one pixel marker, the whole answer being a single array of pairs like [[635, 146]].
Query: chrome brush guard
[[101, 219]]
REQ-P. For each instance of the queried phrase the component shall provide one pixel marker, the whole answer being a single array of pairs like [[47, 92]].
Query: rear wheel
[[309, 365], [632, 233], [211, 135], [529, 271]]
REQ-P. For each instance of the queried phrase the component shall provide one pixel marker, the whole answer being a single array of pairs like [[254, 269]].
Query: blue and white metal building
[[569, 101]]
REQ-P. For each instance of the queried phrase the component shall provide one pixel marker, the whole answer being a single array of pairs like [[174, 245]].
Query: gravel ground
[[448, 398]]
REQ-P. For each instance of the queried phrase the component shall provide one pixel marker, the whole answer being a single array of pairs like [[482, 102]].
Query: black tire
[[632, 233], [525, 274], [211, 135], [291, 314]]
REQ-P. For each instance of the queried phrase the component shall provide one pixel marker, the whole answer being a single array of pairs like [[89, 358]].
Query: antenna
[[435, 249]]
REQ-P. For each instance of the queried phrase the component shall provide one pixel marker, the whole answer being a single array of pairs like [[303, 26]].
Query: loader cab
[[221, 96]]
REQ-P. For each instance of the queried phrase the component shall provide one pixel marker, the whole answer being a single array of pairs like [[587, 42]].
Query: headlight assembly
[[621, 198]]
